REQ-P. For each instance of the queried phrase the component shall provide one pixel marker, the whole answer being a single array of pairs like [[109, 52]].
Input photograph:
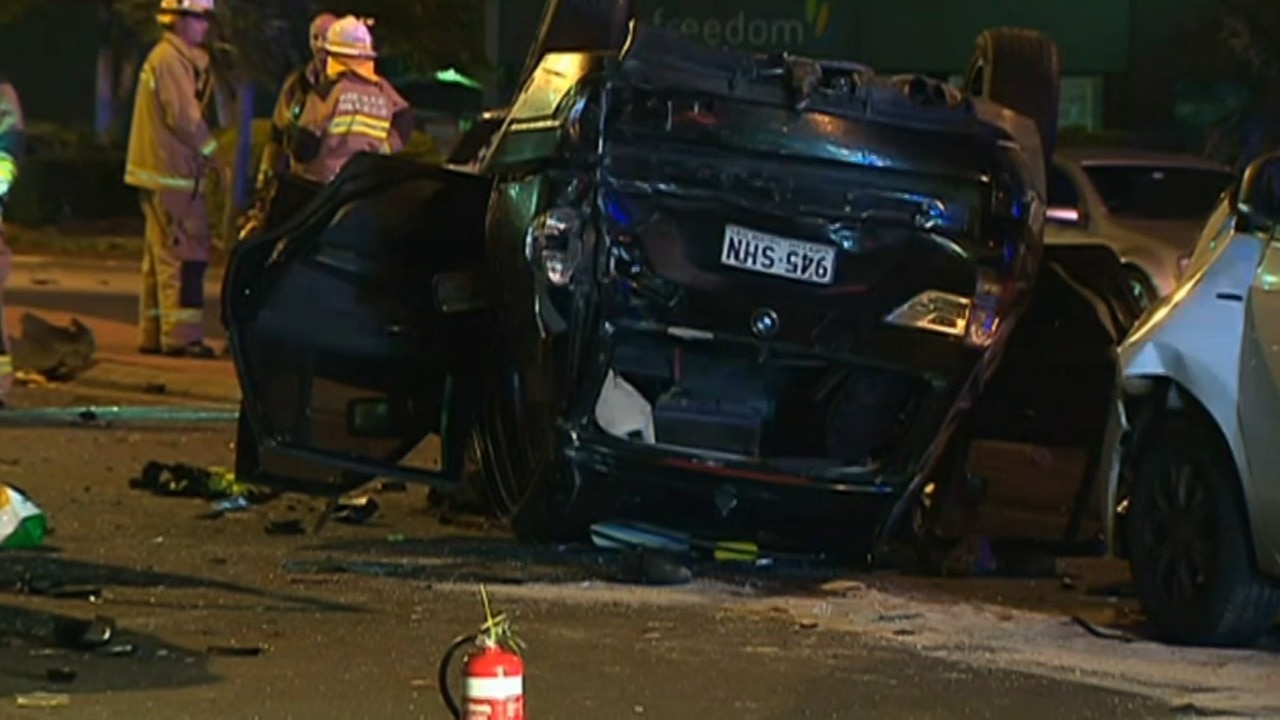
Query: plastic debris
[[22, 522], [628, 535], [238, 650], [236, 503], [57, 353], [43, 700], [120, 650], [85, 634], [356, 511]]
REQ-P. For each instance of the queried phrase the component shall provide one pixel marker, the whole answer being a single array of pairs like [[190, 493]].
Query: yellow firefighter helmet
[[186, 7], [350, 37]]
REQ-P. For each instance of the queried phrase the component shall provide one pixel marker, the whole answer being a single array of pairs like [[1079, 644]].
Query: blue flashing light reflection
[[615, 208]]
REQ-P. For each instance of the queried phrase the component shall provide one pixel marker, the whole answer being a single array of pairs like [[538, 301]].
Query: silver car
[[1198, 500], [1147, 206]]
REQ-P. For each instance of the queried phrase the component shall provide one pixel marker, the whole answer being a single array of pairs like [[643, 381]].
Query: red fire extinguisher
[[492, 674]]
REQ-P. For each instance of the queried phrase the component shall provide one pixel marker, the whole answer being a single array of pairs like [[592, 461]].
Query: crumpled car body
[[696, 285]]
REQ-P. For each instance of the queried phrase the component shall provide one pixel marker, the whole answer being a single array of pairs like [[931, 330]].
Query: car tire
[[575, 25], [522, 468], [1019, 69], [1185, 470]]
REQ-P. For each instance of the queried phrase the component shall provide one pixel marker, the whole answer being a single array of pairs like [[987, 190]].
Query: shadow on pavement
[[30, 652], [505, 561], [24, 571]]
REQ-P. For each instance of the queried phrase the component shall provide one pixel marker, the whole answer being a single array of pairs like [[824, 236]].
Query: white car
[[1197, 501], [1147, 206]]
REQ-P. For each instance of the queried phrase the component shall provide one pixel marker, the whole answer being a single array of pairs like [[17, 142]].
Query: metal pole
[[116, 414]]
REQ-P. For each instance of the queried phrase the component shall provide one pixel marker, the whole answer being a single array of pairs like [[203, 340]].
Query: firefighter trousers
[[6, 360], [175, 255]]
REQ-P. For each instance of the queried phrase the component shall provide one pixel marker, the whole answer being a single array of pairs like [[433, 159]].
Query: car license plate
[[782, 257]]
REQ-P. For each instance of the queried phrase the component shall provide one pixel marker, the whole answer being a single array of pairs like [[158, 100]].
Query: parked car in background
[[1197, 505], [1148, 206]]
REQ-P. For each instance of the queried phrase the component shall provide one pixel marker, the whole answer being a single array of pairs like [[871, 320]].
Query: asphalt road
[[115, 306], [356, 617]]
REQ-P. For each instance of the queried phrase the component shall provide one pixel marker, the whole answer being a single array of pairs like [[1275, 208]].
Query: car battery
[[708, 423]]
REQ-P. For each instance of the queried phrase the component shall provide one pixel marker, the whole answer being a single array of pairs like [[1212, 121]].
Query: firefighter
[[293, 94], [353, 110], [171, 149], [12, 137]]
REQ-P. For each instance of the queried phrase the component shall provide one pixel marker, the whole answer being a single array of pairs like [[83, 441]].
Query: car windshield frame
[[1157, 191]]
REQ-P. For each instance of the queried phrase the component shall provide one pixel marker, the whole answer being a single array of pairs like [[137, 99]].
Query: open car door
[[358, 330], [1259, 405], [1039, 428]]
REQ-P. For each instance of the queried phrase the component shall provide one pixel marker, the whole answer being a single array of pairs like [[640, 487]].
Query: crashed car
[[1198, 495], [691, 285]]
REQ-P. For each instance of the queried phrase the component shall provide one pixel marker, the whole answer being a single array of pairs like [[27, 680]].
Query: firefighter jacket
[[170, 142], [12, 136], [348, 113], [293, 96]]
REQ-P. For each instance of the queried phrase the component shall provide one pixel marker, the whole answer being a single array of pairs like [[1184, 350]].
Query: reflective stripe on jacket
[[347, 115], [169, 140], [12, 132]]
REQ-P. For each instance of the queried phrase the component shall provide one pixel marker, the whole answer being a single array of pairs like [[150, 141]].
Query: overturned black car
[[690, 285]]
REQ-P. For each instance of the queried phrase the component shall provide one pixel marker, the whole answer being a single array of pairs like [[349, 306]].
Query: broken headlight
[[553, 244], [976, 319]]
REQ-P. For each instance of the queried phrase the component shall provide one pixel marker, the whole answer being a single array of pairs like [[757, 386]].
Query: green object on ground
[[22, 524]]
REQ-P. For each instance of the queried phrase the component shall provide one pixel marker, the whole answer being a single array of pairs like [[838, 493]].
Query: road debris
[[84, 634], [55, 353], [43, 700], [1102, 632], [55, 589], [238, 650], [355, 511], [182, 480], [235, 503], [22, 522]]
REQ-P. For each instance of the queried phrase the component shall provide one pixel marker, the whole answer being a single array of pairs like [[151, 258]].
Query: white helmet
[[350, 37]]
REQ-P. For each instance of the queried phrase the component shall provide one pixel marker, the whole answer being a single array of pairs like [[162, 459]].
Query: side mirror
[[1064, 216], [1258, 199]]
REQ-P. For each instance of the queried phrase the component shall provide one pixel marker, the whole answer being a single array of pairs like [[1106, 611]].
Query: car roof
[[1136, 156]]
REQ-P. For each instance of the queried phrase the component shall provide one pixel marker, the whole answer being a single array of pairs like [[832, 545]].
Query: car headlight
[[553, 244]]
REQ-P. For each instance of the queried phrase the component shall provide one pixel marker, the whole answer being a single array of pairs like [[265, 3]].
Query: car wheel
[[1019, 69], [522, 466], [1188, 543], [1140, 285]]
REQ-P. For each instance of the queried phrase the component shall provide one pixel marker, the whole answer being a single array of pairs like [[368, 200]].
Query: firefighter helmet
[[319, 29], [350, 37], [186, 7]]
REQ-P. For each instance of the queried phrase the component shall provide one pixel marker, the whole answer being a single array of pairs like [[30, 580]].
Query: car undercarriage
[[693, 286]]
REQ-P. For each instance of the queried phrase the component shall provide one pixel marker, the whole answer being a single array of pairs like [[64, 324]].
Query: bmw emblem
[[764, 323]]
